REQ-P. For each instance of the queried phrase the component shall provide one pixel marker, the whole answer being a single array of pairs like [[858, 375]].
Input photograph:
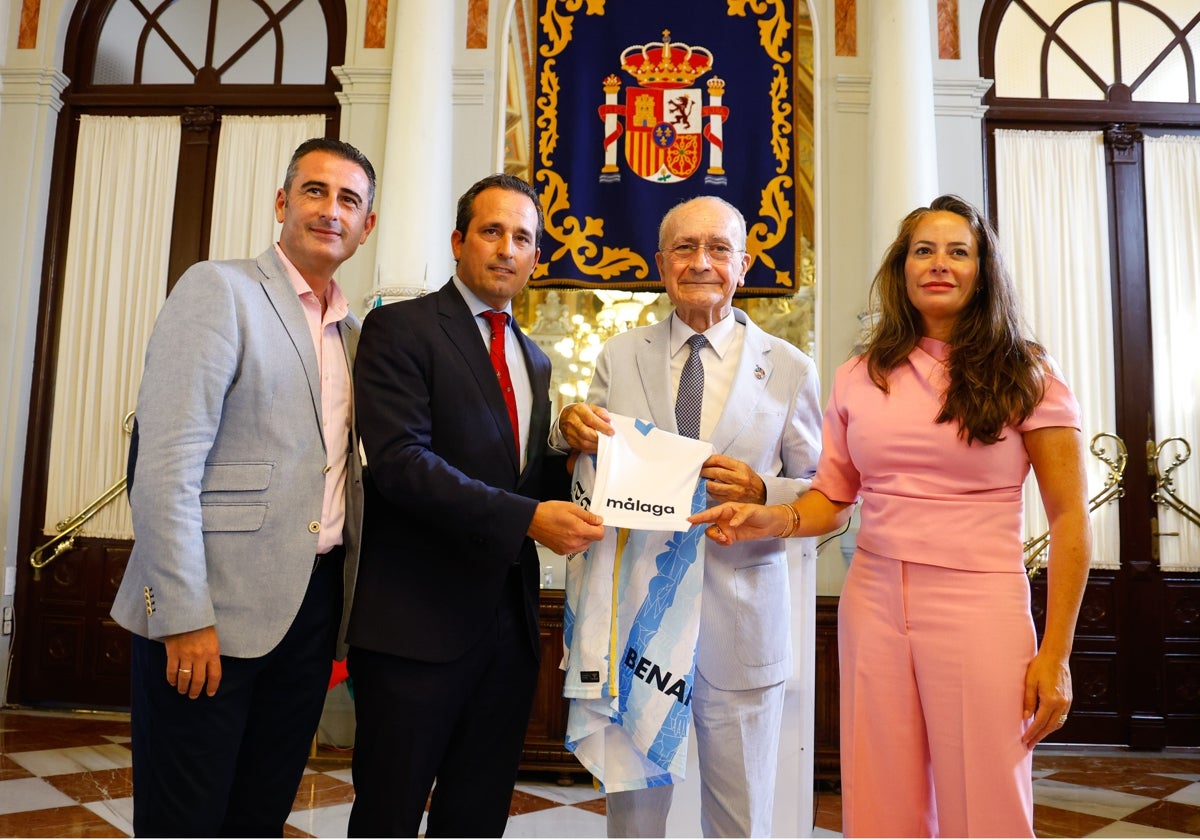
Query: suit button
[[314, 527]]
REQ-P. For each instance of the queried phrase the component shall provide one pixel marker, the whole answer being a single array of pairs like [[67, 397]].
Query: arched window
[[200, 43], [1104, 50]]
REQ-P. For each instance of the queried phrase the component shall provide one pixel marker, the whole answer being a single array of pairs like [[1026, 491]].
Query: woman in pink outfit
[[944, 691]]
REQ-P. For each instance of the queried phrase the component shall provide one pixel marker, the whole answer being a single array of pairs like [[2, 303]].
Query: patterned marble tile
[[66, 821], [1189, 795], [31, 794], [595, 806], [9, 769], [69, 776], [1124, 829], [567, 821], [828, 807], [1173, 816], [318, 790], [1049, 821], [95, 785], [562, 794], [528, 803], [1142, 784], [55, 762], [1102, 803], [329, 821], [119, 812]]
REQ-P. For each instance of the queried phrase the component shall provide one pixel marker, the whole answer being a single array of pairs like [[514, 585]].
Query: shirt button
[[314, 526], [326, 470]]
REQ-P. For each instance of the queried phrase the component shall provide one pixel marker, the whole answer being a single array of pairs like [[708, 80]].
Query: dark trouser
[[461, 723], [230, 765]]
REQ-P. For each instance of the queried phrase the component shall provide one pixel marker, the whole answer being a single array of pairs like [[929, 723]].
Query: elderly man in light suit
[[247, 504], [761, 411]]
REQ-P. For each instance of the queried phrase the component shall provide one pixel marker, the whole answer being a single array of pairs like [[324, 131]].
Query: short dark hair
[[334, 147], [466, 204]]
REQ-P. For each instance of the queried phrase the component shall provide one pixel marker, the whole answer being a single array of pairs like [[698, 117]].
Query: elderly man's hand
[[582, 425], [731, 480]]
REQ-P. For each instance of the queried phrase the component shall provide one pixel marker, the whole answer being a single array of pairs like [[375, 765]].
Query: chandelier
[[580, 347]]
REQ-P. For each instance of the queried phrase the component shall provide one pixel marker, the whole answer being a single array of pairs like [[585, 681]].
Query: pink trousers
[[933, 667]]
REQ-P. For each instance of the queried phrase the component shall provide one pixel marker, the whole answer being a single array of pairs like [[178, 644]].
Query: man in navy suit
[[454, 410]]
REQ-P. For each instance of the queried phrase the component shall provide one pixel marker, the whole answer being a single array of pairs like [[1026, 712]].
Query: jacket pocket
[[223, 517], [234, 477], [761, 606]]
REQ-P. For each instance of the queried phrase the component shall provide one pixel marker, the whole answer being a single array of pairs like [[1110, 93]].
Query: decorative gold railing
[[1114, 488], [1164, 492], [66, 530]]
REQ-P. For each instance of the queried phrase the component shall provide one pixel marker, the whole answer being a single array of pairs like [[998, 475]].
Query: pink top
[[333, 372], [928, 497]]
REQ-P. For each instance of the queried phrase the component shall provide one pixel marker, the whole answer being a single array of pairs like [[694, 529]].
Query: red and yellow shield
[[663, 130]]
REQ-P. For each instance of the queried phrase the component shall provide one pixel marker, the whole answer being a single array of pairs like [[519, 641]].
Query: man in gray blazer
[[247, 503], [760, 408]]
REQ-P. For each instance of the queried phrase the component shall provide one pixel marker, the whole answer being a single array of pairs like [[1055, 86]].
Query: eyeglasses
[[716, 253]]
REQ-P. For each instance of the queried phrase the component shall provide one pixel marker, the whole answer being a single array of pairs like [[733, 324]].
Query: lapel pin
[[759, 373]]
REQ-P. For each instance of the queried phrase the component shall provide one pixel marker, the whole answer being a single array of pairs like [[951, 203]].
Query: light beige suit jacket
[[772, 421]]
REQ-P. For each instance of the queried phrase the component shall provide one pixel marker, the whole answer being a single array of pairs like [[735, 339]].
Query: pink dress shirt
[[334, 375], [928, 497]]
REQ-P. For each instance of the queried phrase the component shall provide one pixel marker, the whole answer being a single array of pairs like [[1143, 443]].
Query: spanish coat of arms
[[665, 118]]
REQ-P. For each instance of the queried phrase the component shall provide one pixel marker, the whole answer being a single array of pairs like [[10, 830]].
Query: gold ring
[[1062, 720], [189, 670]]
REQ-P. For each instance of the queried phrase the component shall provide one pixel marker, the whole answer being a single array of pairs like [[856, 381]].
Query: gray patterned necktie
[[690, 398]]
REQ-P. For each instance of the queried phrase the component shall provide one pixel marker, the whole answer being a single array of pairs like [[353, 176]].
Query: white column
[[30, 102], [364, 98], [901, 136], [416, 204]]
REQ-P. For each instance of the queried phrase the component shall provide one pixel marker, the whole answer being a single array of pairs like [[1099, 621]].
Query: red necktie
[[499, 322]]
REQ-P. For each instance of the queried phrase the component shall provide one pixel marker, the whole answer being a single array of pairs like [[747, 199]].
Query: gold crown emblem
[[665, 65]]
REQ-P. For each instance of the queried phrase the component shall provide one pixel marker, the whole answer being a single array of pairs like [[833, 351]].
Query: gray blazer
[[771, 421], [230, 462]]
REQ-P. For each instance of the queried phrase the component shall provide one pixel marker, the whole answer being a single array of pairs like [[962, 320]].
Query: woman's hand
[[1047, 697], [737, 521]]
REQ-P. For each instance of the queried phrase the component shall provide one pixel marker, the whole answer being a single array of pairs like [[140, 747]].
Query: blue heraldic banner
[[642, 104]]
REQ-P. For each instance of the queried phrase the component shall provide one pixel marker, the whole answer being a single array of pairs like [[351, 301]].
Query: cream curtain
[[251, 160], [114, 283], [1053, 224], [1172, 168]]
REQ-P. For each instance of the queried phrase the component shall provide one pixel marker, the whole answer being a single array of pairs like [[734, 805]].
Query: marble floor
[[68, 775]]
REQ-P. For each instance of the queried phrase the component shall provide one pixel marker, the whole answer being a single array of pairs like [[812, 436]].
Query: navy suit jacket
[[447, 505]]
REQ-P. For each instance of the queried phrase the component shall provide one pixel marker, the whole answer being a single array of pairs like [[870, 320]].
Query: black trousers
[[458, 724], [230, 765]]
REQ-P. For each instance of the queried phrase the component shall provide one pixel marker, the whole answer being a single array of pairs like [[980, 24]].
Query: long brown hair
[[997, 376]]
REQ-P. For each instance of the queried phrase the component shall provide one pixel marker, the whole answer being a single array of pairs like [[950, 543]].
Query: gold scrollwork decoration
[[774, 205], [67, 529], [577, 239], [773, 32], [559, 26], [1165, 492], [547, 119], [781, 119], [1035, 548]]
